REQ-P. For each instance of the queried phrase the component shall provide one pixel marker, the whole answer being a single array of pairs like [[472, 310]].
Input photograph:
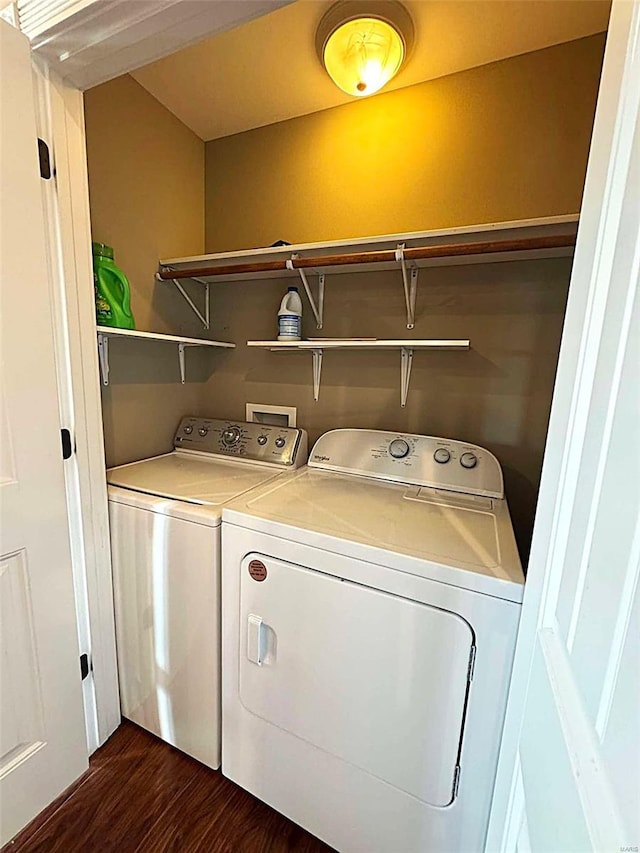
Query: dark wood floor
[[142, 795]]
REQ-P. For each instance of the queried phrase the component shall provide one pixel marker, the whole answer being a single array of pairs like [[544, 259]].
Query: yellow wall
[[496, 395], [504, 141], [146, 187]]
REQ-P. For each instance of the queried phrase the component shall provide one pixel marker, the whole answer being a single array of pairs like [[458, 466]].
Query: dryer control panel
[[283, 446], [420, 460]]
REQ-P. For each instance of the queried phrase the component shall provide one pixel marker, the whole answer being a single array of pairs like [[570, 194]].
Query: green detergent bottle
[[112, 290]]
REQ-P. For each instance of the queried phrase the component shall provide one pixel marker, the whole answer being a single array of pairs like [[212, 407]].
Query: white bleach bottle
[[290, 316]]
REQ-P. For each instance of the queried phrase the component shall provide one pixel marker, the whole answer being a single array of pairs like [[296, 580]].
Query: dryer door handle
[[256, 635]]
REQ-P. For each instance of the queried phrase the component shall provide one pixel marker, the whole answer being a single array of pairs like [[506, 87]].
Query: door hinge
[[456, 781], [472, 663], [45, 159], [85, 666], [67, 445]]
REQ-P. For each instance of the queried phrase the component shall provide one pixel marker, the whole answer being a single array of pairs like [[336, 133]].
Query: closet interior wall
[[500, 142], [146, 191]]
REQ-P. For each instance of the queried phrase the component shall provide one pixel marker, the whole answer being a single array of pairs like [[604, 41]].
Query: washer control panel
[[283, 446], [420, 460]]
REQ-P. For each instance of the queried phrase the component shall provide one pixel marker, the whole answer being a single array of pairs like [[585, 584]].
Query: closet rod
[[450, 250]]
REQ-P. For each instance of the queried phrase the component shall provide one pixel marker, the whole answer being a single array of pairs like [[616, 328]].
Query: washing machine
[[165, 516], [370, 609]]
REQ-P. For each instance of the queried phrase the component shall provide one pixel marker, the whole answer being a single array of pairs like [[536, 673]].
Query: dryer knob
[[280, 442], [188, 429], [468, 460], [399, 448], [203, 430]]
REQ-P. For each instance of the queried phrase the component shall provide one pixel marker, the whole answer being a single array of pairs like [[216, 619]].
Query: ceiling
[[267, 70]]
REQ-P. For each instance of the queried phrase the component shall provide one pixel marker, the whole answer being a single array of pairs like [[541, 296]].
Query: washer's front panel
[[166, 574]]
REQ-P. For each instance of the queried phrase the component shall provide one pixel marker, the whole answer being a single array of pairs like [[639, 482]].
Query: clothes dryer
[[370, 609], [165, 516]]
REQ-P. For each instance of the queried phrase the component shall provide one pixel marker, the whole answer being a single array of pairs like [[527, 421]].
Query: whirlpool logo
[[319, 458]]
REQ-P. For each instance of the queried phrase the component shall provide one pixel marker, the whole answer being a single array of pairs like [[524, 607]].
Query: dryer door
[[377, 680]]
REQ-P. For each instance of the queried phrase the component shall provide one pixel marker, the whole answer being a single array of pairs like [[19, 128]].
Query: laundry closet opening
[[242, 140]]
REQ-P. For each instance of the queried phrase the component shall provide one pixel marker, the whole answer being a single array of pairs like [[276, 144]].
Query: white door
[[42, 733], [568, 777]]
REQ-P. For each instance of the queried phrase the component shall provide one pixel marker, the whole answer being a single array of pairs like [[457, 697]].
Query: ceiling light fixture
[[362, 45]]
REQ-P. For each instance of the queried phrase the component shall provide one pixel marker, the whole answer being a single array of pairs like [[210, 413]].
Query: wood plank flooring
[[142, 796]]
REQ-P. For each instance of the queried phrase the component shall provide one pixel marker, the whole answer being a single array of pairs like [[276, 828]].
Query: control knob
[[262, 439], [442, 455], [231, 435], [188, 429], [399, 448], [280, 442], [468, 460], [203, 430]]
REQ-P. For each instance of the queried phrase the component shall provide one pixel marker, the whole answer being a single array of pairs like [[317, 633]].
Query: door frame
[[60, 117], [606, 183], [596, 240]]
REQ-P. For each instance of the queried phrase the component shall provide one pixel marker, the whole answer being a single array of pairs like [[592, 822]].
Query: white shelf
[[112, 332], [515, 229], [105, 333], [360, 343], [531, 239], [406, 347]]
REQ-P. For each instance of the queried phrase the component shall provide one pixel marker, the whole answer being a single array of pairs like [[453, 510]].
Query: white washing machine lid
[[449, 529], [194, 479]]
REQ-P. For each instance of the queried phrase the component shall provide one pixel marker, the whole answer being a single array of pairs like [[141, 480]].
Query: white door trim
[[61, 117], [594, 254], [606, 184]]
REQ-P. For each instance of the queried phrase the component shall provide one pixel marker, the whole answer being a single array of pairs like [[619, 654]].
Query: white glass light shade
[[362, 55]]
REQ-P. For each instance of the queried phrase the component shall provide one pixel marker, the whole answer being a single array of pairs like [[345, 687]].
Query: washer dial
[[442, 455], [231, 435], [399, 448]]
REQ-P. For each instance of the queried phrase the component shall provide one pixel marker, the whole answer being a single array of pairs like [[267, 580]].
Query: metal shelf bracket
[[317, 372], [181, 359], [406, 361], [410, 284], [181, 348], [316, 307], [203, 317], [103, 356]]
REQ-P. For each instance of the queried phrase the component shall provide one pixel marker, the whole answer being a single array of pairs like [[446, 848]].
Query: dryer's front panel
[[374, 679]]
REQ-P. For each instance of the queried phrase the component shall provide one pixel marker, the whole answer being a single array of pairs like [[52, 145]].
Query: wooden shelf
[[105, 333], [317, 346]]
